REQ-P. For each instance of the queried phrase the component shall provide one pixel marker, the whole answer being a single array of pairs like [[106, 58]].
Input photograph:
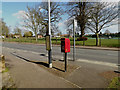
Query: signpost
[[74, 27]]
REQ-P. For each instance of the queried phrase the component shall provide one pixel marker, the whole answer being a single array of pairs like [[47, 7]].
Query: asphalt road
[[87, 54]]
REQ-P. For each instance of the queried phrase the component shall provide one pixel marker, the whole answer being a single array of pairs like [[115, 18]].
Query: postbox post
[[65, 62]]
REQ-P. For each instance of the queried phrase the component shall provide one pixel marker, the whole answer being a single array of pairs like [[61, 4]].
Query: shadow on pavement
[[40, 63], [59, 69]]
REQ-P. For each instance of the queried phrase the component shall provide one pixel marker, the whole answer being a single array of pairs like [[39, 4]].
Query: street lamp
[[49, 33]]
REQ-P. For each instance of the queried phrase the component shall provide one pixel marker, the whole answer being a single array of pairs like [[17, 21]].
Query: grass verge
[[115, 83], [6, 70], [89, 42]]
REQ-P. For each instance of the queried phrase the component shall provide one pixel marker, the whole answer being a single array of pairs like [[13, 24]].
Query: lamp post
[[49, 32]]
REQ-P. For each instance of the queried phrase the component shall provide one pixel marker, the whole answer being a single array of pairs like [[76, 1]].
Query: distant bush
[[82, 39]]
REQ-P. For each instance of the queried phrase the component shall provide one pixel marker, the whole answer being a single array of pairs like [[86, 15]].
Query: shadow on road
[[42, 55]]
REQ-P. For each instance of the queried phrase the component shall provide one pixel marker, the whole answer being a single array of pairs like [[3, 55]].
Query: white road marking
[[34, 52], [98, 62], [21, 50], [113, 55], [71, 83]]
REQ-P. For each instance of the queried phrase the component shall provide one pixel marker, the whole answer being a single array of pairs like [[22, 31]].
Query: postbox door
[[67, 45]]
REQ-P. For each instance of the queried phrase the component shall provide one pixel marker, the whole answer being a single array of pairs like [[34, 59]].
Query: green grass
[[115, 83], [6, 70], [89, 42]]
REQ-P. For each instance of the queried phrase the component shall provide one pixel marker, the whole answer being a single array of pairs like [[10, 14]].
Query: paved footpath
[[30, 75], [0, 74]]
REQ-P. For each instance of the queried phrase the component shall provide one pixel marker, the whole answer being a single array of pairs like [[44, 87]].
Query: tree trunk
[[82, 31], [56, 40], [36, 38], [97, 39], [83, 42], [47, 30]]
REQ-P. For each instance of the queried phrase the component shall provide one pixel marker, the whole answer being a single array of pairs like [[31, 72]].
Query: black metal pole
[[65, 62], [49, 58]]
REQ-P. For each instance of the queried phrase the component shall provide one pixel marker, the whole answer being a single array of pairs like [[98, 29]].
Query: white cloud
[[113, 29], [19, 14]]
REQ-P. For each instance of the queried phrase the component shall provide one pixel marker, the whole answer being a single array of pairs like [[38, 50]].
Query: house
[[40, 36], [65, 35], [2, 37], [16, 36]]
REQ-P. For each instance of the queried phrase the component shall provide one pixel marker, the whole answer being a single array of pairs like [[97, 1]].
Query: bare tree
[[55, 11], [33, 19], [4, 27], [17, 30], [54, 28], [102, 16], [69, 31], [42, 31], [37, 17], [81, 11]]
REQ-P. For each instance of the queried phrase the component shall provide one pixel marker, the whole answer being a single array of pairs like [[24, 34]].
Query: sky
[[12, 10], [59, 0]]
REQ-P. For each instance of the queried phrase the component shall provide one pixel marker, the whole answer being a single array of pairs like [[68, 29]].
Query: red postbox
[[65, 45]]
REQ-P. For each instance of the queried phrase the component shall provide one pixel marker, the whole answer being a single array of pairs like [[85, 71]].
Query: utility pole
[[74, 27], [49, 31]]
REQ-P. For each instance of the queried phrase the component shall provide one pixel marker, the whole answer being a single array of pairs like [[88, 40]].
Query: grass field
[[89, 42]]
